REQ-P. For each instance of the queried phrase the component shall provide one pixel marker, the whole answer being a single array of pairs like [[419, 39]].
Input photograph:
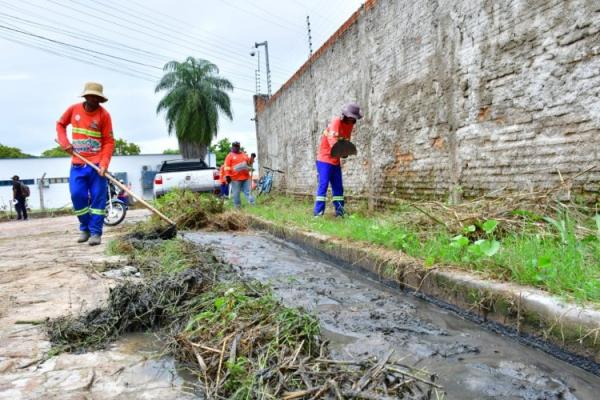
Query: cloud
[[15, 77]]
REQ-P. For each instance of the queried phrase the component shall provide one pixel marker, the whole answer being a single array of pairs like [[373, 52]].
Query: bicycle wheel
[[114, 213]]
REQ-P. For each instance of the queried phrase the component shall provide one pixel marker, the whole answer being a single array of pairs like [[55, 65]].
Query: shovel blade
[[343, 148]]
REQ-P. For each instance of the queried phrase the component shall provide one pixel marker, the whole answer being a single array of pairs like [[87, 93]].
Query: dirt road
[[363, 318], [45, 274]]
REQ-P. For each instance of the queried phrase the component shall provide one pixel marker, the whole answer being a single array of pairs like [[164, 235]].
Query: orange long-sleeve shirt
[[91, 132], [237, 166], [336, 129]]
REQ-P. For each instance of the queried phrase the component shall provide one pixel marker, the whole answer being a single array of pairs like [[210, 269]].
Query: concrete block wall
[[460, 96]]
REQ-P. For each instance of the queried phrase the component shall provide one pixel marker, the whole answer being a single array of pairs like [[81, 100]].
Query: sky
[[50, 48]]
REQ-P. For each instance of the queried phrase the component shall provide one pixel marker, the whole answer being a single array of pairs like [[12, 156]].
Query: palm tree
[[195, 97]]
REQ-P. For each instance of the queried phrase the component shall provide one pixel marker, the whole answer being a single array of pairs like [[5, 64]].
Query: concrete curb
[[527, 310]]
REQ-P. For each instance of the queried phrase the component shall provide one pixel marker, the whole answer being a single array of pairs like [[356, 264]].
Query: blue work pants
[[224, 189], [89, 193], [329, 174]]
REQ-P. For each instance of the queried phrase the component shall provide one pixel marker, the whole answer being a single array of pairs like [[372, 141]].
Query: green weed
[[545, 252]]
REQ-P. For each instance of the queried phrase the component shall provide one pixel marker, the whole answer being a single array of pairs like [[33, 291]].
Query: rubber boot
[[83, 237], [95, 240]]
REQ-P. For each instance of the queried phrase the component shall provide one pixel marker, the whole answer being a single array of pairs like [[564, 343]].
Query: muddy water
[[362, 318]]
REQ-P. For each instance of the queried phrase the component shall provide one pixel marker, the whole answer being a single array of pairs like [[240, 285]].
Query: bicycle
[[265, 183]]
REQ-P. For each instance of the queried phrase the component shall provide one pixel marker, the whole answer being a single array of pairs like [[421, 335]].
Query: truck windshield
[[179, 166]]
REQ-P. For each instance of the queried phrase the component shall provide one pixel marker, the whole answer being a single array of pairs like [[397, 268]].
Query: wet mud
[[362, 317]]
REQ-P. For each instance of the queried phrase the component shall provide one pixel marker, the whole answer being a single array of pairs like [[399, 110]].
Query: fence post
[[41, 190]]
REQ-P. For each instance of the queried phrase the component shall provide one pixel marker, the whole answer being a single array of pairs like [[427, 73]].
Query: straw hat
[[93, 88]]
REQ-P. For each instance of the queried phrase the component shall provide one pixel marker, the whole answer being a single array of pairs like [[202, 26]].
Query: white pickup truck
[[192, 175]]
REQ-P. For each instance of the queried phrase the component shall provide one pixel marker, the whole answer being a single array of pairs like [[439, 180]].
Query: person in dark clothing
[[19, 198]]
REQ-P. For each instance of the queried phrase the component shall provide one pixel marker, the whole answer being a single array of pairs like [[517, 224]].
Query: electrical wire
[[83, 60], [273, 21], [131, 26], [161, 59], [79, 47], [88, 52], [147, 10], [312, 11], [167, 31], [158, 18], [278, 76]]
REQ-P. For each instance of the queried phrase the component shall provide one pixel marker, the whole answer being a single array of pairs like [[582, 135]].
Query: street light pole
[[266, 44]]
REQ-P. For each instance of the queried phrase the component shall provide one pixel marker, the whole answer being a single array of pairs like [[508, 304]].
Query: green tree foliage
[[124, 148], [55, 152], [12, 152], [195, 98], [171, 151], [221, 149]]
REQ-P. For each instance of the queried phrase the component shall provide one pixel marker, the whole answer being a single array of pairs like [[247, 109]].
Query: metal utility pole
[[309, 36], [257, 75], [266, 44]]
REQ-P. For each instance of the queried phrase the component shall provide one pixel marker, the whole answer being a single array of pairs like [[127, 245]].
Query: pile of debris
[[515, 212], [235, 336], [131, 307], [190, 211], [247, 345]]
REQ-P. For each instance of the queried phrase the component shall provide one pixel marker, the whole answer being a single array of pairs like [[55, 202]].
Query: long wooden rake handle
[[125, 188]]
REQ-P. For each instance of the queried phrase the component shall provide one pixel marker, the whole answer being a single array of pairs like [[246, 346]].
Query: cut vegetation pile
[[190, 211], [513, 212], [248, 346], [197, 211], [233, 334], [130, 307]]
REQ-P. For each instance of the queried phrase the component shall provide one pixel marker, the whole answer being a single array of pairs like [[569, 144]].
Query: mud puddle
[[130, 368], [362, 317], [153, 367]]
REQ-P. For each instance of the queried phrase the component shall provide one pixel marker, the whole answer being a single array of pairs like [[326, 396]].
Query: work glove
[[228, 179], [253, 155]]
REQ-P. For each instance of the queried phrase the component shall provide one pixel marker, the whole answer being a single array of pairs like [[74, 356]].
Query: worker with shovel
[[335, 136], [92, 138]]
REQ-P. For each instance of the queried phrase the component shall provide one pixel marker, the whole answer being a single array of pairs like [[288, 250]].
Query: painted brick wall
[[460, 96]]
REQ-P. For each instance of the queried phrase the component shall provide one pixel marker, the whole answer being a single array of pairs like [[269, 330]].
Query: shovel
[[343, 148], [125, 188]]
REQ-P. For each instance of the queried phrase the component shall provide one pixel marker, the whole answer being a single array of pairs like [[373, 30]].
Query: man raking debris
[[92, 149]]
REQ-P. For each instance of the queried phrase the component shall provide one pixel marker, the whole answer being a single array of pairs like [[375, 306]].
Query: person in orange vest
[[223, 182], [328, 167], [93, 138], [237, 173]]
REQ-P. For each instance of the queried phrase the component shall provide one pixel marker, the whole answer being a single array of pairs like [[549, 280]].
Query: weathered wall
[[459, 96]]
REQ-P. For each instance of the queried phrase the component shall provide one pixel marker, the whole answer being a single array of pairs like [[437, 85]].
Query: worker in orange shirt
[[328, 167], [92, 138], [237, 173]]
